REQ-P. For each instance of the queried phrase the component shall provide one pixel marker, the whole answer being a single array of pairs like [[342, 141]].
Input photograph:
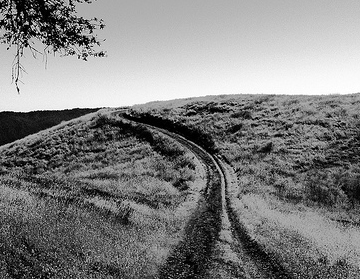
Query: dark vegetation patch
[[245, 114], [16, 125], [193, 133], [330, 186], [235, 128]]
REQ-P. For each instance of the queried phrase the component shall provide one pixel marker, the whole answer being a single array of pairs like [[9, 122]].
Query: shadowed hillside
[[16, 125]]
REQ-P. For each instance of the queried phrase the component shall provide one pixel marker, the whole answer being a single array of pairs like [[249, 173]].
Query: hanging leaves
[[53, 23]]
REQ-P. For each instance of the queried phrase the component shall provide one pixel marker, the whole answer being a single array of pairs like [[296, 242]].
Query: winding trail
[[216, 245]]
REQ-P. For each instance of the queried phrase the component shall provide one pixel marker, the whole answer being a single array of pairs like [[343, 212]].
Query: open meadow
[[103, 196]]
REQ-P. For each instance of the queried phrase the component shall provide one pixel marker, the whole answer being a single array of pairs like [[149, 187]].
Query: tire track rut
[[216, 245]]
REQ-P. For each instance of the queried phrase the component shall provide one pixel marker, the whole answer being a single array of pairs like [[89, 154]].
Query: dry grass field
[[93, 198], [103, 197], [297, 163]]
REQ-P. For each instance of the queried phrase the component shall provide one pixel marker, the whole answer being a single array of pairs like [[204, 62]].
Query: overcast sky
[[166, 49]]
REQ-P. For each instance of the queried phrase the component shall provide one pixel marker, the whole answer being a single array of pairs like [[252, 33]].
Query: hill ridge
[[16, 125]]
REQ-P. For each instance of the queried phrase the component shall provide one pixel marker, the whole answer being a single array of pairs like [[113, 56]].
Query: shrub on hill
[[196, 134]]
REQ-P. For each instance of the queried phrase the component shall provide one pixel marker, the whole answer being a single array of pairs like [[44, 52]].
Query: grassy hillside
[[297, 162], [296, 138], [97, 197], [101, 196], [16, 125]]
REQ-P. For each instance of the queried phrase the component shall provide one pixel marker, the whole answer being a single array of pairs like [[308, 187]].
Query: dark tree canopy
[[53, 23]]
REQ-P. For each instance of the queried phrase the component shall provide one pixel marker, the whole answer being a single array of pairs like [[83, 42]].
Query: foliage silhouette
[[53, 23]]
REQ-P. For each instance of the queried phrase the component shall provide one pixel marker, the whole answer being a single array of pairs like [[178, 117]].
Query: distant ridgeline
[[16, 125]]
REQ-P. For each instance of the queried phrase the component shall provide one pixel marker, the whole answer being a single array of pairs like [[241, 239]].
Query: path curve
[[216, 245]]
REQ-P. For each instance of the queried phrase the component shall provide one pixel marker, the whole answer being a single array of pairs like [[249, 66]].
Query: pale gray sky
[[166, 49]]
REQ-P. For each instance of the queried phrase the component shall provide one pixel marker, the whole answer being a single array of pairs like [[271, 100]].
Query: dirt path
[[216, 245]]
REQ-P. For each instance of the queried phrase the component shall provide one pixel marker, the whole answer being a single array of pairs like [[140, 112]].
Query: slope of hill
[[103, 196], [290, 136], [95, 197], [16, 125], [297, 162]]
